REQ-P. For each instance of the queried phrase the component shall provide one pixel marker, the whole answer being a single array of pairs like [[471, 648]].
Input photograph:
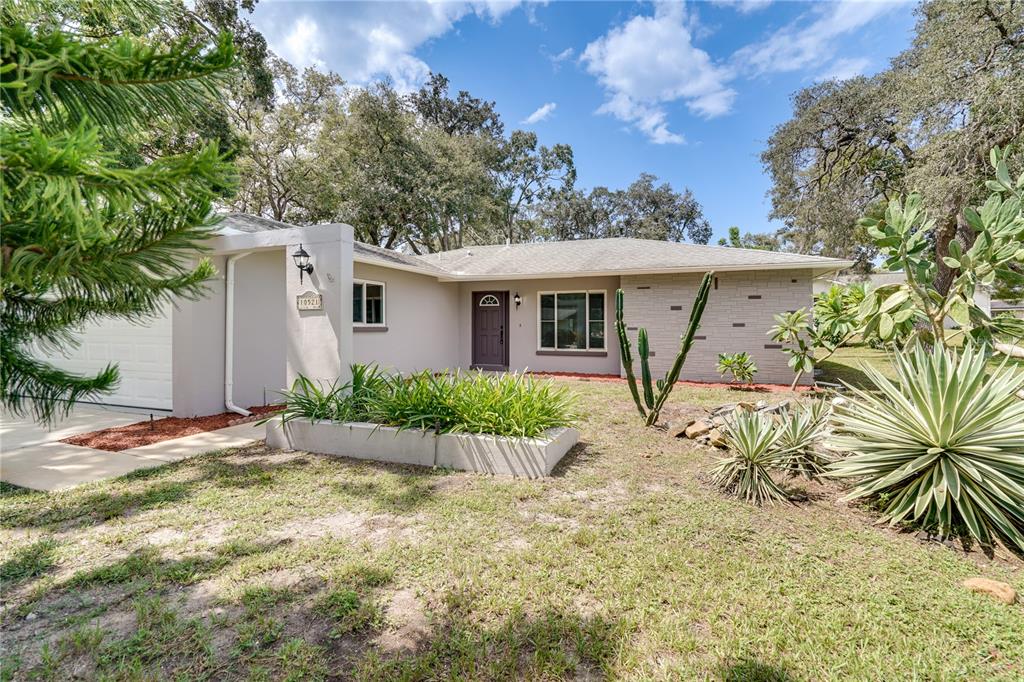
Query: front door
[[490, 324]]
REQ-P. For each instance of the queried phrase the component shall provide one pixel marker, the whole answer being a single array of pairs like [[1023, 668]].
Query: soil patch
[[141, 433]]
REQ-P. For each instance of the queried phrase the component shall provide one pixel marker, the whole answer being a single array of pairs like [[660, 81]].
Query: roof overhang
[[235, 241], [819, 270]]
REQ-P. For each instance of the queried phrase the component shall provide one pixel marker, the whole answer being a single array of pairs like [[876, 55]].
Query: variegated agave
[[800, 433], [753, 440], [942, 446]]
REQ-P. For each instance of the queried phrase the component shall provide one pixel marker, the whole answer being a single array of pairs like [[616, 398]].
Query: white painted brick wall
[[729, 305]]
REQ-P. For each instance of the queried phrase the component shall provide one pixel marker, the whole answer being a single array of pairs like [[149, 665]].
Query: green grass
[[626, 564], [846, 365]]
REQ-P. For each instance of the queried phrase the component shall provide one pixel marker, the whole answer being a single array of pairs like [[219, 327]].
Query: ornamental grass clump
[[459, 402], [942, 446], [754, 451]]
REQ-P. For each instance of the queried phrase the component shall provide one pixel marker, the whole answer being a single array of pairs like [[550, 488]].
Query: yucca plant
[[800, 432], [753, 440], [941, 446]]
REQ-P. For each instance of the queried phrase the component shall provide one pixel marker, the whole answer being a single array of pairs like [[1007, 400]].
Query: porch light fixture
[[301, 259], [518, 300]]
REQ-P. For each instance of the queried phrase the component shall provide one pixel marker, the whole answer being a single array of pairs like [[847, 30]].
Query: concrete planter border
[[521, 457]]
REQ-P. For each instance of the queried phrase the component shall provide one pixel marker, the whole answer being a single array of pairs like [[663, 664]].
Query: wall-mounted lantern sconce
[[301, 259], [518, 300]]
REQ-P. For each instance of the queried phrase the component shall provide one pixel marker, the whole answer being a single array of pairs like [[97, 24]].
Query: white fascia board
[[270, 239], [398, 266]]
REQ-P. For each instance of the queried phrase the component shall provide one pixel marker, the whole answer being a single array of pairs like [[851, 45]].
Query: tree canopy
[[926, 123], [644, 210], [430, 170]]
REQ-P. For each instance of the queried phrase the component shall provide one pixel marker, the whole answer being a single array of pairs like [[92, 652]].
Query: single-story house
[[546, 307], [1015, 308]]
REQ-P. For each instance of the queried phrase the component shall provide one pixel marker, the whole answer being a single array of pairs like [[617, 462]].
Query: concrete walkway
[[32, 457]]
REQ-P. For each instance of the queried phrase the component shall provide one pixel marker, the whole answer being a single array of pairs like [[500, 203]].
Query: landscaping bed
[[483, 453], [118, 438]]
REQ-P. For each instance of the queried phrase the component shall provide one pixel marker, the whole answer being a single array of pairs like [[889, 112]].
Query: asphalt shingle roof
[[612, 255], [590, 256]]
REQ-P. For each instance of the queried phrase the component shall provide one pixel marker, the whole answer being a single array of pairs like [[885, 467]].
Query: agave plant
[[753, 441], [800, 433], [942, 446]]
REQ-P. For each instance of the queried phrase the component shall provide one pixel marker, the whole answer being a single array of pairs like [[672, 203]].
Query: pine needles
[[86, 234]]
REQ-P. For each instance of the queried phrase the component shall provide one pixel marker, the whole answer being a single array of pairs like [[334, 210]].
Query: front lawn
[[257, 564], [848, 362]]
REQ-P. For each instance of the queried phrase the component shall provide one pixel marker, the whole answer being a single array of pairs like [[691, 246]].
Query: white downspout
[[229, 335]]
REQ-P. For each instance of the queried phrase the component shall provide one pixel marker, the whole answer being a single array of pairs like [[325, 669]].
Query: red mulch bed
[[145, 432], [752, 388]]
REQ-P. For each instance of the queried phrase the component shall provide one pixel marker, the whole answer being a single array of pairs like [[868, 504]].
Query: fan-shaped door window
[[489, 301]]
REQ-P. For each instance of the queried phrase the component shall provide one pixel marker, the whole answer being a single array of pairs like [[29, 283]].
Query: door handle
[[501, 342]]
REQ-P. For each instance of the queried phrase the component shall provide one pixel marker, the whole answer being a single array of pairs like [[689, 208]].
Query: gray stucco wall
[[738, 315], [523, 350], [198, 350], [260, 340], [422, 317]]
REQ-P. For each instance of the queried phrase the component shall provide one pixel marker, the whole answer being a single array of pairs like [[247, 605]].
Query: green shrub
[[754, 450], [800, 432], [941, 446], [740, 365], [504, 405]]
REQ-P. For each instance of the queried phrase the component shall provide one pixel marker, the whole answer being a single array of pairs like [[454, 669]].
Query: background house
[[545, 307]]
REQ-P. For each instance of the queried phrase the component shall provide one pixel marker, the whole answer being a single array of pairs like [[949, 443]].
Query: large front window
[[368, 303], [572, 320]]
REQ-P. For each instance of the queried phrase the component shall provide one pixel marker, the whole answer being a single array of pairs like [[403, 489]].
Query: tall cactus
[[655, 400]]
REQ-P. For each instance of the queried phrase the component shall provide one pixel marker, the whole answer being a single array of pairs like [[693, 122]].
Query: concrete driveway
[[31, 456]]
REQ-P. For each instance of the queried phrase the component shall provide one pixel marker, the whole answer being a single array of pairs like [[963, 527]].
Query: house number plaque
[[309, 300]]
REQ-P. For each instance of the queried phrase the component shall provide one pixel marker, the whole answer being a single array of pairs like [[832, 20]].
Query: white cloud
[[744, 6], [811, 39], [649, 62], [842, 69], [303, 45], [366, 41], [542, 112], [567, 53]]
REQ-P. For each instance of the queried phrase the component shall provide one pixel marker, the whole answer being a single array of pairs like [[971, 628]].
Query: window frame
[[586, 322], [383, 304]]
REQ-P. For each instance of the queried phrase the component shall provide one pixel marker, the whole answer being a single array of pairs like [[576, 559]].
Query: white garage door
[[142, 352]]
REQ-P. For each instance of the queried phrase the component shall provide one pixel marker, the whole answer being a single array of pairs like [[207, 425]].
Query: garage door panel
[[141, 352]]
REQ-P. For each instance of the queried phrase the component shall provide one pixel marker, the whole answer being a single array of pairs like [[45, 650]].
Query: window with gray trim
[[368, 303], [571, 320]]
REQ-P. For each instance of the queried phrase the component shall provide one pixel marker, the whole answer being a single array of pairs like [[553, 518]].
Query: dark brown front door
[[490, 326]]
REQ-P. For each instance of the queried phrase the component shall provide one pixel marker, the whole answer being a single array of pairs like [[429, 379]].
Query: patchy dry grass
[[259, 564]]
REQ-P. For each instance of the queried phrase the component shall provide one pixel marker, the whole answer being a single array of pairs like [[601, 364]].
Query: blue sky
[[687, 91]]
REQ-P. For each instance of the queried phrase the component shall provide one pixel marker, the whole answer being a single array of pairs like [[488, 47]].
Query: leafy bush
[[504, 405], [837, 311], [740, 365], [942, 446], [754, 450], [905, 237], [800, 432]]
